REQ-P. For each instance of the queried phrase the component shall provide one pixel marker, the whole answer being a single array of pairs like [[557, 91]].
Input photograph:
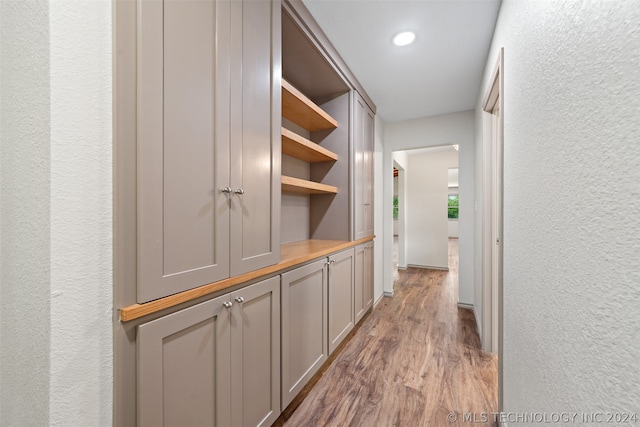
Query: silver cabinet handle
[[227, 190], [239, 191], [227, 304], [331, 261], [240, 300]]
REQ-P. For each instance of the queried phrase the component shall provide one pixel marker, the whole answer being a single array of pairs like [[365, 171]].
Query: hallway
[[413, 361]]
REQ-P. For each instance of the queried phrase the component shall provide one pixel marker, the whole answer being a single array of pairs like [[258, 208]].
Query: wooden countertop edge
[[292, 254]]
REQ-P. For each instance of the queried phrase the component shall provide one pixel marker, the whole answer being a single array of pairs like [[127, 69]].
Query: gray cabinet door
[[304, 326], [368, 276], [255, 135], [341, 316], [369, 129], [358, 287], [255, 354], [183, 368], [363, 283], [358, 167], [363, 136], [183, 144]]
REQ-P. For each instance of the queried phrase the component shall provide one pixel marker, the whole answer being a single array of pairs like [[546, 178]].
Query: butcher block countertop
[[291, 255]]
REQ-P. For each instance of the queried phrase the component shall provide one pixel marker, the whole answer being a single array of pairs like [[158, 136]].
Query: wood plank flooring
[[414, 360]]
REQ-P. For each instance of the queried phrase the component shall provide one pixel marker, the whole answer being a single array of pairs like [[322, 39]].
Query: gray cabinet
[[213, 364], [363, 282], [255, 354], [184, 375], [304, 326], [341, 297], [208, 142], [363, 135]]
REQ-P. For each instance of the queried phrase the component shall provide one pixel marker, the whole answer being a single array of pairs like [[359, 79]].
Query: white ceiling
[[439, 73]]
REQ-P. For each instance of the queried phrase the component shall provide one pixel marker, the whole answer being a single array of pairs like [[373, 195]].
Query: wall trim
[[387, 294], [466, 305], [379, 300], [428, 267]]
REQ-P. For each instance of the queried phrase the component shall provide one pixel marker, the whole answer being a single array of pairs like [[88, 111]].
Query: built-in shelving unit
[[317, 103], [300, 110], [302, 186]]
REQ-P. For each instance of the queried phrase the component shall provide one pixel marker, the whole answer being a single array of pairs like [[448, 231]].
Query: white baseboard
[[387, 294], [376, 302], [465, 305], [428, 267]]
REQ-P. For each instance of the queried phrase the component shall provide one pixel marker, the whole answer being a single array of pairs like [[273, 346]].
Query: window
[[453, 206], [395, 207]]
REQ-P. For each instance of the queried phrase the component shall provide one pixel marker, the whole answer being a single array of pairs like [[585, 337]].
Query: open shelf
[[301, 148], [304, 112], [302, 186]]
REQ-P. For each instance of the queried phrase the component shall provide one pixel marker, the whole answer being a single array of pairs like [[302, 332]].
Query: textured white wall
[[24, 213], [455, 128], [81, 220], [56, 225], [426, 205], [571, 250]]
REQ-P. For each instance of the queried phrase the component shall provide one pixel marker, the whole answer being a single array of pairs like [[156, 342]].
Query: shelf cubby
[[304, 112], [301, 148]]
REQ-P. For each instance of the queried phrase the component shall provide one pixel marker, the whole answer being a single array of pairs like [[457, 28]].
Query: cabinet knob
[[239, 191], [240, 300], [227, 304], [331, 261], [227, 190]]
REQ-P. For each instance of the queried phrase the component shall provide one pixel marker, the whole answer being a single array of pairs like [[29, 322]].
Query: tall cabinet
[[363, 135], [208, 142]]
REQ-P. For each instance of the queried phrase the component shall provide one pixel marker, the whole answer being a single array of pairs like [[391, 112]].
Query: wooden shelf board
[[297, 185], [304, 112], [301, 148]]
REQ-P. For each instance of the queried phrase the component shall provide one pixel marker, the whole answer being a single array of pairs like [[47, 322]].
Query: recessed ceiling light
[[404, 38]]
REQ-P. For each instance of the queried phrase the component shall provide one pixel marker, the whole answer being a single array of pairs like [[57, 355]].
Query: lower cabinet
[[304, 326], [214, 364], [363, 282], [341, 316], [317, 314], [241, 358]]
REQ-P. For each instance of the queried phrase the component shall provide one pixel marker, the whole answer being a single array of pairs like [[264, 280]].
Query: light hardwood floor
[[414, 360]]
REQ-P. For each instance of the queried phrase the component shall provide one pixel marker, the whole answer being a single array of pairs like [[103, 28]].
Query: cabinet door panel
[[368, 276], [341, 318], [369, 129], [358, 138], [183, 368], [255, 135], [358, 287], [304, 331], [363, 134], [255, 364], [183, 158]]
